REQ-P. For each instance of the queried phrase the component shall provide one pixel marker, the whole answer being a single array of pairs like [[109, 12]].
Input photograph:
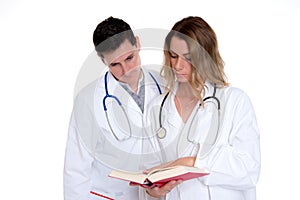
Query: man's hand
[[156, 191], [163, 190]]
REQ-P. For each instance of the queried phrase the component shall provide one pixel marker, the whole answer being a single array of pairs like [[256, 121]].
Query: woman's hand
[[163, 190], [185, 161]]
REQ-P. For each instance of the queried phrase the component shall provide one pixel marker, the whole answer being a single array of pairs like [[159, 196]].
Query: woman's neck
[[185, 100], [184, 90]]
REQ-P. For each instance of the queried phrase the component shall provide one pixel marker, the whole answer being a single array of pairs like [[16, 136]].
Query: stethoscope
[[107, 95], [161, 132]]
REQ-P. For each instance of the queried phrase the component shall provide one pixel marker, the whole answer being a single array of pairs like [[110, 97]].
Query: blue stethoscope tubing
[[107, 95], [161, 132]]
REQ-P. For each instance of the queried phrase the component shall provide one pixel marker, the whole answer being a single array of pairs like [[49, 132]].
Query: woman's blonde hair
[[205, 57]]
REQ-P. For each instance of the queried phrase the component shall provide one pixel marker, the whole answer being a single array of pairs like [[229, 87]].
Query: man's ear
[[101, 57], [103, 61], [138, 44]]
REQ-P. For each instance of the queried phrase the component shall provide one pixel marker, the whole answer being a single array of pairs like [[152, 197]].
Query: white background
[[43, 45]]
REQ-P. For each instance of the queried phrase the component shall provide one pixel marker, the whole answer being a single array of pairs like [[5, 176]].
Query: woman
[[201, 121]]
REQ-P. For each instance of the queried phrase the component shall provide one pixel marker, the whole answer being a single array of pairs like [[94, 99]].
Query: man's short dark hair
[[111, 33]]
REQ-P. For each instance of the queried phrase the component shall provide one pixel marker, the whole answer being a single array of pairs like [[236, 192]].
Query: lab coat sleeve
[[77, 169], [234, 162]]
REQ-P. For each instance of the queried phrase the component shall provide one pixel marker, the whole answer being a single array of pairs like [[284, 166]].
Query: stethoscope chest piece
[[161, 133]]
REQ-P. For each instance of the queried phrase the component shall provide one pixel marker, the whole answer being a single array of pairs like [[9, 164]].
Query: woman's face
[[180, 59]]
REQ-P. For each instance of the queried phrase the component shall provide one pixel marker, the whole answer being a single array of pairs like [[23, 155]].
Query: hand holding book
[[161, 176]]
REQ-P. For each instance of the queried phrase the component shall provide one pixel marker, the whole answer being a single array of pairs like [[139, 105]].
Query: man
[[106, 125]]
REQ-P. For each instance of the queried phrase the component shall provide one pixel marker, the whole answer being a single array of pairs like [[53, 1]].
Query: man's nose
[[126, 68]]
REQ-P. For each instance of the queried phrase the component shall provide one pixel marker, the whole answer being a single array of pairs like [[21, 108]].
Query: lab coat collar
[[114, 88], [208, 88], [141, 81], [151, 90], [173, 118]]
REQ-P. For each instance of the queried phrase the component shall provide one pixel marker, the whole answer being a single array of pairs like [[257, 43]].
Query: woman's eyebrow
[[185, 54]]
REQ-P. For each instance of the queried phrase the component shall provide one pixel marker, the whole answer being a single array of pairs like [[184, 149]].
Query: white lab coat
[[234, 161], [92, 151]]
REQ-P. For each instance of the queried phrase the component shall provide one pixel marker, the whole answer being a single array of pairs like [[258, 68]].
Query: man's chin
[[128, 79], [131, 75]]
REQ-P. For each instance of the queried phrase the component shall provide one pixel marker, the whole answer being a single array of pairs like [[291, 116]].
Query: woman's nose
[[178, 64]]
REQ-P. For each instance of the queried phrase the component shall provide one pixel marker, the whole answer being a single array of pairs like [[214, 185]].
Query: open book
[[159, 177]]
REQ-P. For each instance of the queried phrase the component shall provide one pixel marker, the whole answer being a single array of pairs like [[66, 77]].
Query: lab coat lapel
[[151, 89], [170, 113], [214, 124]]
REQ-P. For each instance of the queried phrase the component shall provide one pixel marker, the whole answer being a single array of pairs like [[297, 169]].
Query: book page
[[156, 175], [160, 170], [137, 177], [175, 171]]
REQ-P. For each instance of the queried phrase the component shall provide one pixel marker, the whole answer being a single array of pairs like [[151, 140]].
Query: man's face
[[124, 62]]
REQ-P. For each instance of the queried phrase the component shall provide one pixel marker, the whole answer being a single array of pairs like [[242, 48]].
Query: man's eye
[[129, 57], [113, 64]]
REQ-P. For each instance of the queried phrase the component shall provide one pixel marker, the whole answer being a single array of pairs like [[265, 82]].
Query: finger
[[163, 190], [170, 185], [133, 184], [164, 165], [160, 191]]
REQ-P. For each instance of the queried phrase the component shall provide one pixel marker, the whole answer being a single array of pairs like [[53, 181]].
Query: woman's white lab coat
[[233, 160], [92, 151]]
